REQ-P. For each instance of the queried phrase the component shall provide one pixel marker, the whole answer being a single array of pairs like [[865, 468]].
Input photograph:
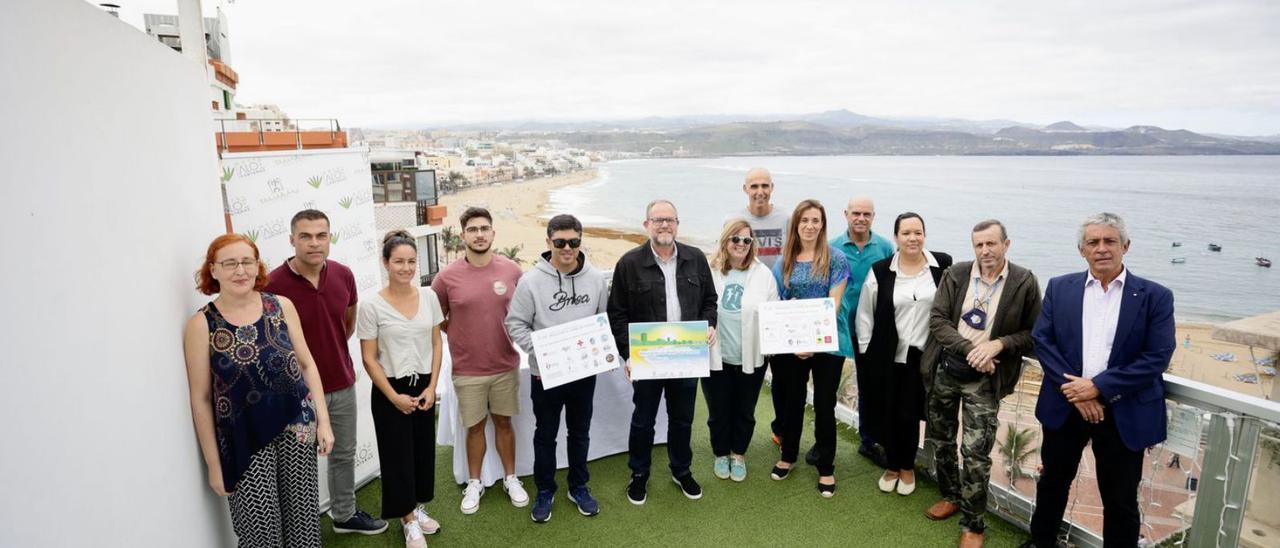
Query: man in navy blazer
[[1104, 338]]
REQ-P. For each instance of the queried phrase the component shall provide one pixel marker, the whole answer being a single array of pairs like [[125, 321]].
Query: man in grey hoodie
[[562, 287]]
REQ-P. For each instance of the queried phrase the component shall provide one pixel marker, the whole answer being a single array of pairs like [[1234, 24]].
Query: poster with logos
[[669, 350], [801, 325], [575, 350], [1184, 432], [263, 192]]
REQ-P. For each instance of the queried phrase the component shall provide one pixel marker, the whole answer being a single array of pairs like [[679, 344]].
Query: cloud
[[1207, 66]]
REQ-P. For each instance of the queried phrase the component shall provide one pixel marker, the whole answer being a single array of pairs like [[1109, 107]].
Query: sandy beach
[[519, 218]]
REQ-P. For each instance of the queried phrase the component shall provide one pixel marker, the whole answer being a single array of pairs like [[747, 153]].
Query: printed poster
[[575, 350], [669, 350], [802, 325]]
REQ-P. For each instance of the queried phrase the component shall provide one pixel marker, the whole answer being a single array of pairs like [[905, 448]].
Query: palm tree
[[452, 242], [1016, 448], [512, 253]]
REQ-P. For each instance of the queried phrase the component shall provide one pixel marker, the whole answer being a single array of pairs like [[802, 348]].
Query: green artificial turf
[[756, 512]]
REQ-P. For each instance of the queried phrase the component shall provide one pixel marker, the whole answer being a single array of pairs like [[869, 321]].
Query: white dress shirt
[[1098, 319], [912, 303]]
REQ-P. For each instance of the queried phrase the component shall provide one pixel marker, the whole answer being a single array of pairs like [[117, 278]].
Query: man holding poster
[[562, 287], [661, 281]]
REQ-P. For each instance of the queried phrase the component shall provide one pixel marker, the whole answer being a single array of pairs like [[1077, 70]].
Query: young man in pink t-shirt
[[474, 296]]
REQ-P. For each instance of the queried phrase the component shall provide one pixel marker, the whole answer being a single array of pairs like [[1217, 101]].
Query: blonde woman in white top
[[737, 367], [399, 332]]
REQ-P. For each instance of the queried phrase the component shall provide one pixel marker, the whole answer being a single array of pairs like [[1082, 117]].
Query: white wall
[[109, 198]]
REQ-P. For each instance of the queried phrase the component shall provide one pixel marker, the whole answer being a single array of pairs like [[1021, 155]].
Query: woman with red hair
[[251, 380]]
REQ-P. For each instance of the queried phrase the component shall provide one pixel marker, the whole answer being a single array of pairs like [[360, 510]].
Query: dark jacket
[[1016, 314], [639, 291], [1132, 386]]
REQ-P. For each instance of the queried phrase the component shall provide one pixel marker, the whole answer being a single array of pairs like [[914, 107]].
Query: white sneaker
[[515, 489], [413, 536], [471, 496], [428, 524]]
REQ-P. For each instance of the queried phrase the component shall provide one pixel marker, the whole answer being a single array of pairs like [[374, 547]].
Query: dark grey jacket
[[1015, 316]]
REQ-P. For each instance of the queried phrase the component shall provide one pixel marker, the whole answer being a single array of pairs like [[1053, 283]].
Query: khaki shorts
[[479, 396]]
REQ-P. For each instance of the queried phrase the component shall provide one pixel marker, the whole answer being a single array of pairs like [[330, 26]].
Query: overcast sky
[[1208, 66]]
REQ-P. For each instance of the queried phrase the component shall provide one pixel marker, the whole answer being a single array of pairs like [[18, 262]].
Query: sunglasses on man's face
[[741, 240], [571, 242]]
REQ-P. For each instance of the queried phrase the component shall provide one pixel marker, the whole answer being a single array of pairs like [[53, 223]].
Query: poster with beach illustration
[[575, 350], [669, 350], [802, 325]]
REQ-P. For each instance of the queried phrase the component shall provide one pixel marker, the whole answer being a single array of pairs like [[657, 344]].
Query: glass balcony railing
[[1215, 482]]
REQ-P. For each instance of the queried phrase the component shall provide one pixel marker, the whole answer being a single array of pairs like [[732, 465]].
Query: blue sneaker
[[542, 506], [721, 467], [581, 496], [738, 468]]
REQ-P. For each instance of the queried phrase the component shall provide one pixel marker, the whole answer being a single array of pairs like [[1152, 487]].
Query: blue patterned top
[[805, 285], [258, 389]]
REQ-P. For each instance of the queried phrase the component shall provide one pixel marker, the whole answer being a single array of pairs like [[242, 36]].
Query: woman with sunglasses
[[811, 269], [255, 400], [892, 328], [737, 367]]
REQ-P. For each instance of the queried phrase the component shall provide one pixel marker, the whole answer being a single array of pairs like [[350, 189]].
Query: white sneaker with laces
[[471, 496], [428, 524], [413, 536], [515, 489]]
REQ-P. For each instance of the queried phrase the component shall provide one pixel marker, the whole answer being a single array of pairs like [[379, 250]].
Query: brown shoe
[[941, 510], [969, 539]]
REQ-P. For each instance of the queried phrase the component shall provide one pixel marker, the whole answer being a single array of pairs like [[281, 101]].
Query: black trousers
[[777, 394], [825, 369], [731, 408], [681, 397], [406, 448], [902, 435], [577, 401], [1119, 473]]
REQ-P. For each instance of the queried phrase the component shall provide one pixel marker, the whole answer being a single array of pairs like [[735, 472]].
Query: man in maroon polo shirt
[[324, 293]]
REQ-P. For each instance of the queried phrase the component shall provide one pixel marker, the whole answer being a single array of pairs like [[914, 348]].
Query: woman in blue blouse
[[810, 269]]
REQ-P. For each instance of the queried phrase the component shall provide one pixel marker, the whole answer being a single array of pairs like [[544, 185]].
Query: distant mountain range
[[845, 132]]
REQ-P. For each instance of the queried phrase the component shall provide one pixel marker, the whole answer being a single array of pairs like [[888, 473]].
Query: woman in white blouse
[[892, 328], [737, 367], [399, 330]]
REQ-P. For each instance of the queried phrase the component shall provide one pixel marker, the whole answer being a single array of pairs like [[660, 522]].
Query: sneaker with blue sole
[[542, 506], [587, 504]]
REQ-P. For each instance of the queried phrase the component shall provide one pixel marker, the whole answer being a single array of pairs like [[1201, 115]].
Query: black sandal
[[779, 473], [827, 491]]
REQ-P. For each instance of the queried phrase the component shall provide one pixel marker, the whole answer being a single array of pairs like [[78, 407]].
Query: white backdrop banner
[[265, 190]]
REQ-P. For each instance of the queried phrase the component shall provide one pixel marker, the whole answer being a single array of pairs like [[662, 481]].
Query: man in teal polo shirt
[[862, 247]]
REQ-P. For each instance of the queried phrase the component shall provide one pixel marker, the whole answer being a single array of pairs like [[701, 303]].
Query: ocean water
[[1232, 201]]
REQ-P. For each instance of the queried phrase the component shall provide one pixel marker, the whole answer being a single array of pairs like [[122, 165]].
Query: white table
[[610, 425]]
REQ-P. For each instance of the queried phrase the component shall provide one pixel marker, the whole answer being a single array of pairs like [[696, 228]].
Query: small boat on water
[[1264, 262], [1178, 260], [1177, 244], [1215, 247]]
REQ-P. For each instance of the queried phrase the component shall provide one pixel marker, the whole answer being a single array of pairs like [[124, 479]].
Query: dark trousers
[[825, 369], [731, 408], [406, 448], [859, 368], [902, 435], [778, 395], [1119, 472], [576, 400], [681, 396]]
